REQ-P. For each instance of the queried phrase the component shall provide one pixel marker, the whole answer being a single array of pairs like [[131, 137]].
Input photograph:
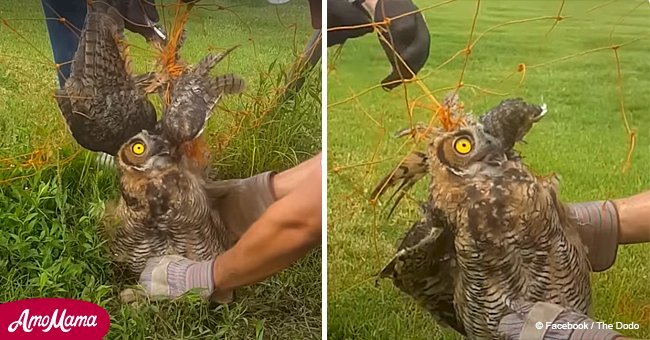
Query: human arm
[[634, 218], [603, 225], [281, 233], [285, 232]]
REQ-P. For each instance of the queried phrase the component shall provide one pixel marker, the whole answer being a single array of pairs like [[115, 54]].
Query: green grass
[[582, 138], [50, 208]]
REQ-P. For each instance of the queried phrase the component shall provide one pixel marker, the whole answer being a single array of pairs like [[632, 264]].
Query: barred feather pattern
[[511, 120], [407, 173], [167, 212], [194, 96], [513, 241], [425, 267], [100, 102]]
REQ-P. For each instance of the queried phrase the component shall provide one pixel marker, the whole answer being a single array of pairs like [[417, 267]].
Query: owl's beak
[[491, 155], [494, 159], [160, 155]]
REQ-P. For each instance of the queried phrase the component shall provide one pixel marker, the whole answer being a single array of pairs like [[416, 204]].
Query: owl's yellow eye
[[138, 148], [463, 145]]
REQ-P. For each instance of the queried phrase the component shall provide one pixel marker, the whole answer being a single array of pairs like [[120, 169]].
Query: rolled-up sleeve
[[598, 228]]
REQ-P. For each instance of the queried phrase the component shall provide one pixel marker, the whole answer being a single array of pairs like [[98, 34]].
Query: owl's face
[[145, 152], [466, 151]]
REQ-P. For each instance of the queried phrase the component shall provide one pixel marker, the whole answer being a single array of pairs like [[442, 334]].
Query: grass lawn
[[583, 139], [52, 193]]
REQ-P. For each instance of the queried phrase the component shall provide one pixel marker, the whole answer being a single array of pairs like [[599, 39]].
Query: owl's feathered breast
[[513, 243], [167, 212]]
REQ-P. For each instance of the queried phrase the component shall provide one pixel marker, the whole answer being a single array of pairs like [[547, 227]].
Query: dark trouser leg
[[64, 37], [309, 58]]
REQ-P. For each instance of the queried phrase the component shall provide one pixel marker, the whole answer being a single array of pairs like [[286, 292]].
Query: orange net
[[586, 59], [424, 98], [27, 71]]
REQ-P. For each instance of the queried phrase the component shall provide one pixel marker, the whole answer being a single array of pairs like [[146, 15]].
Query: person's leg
[[310, 55], [65, 19]]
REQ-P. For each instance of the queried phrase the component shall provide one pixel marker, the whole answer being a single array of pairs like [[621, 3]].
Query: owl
[[166, 204], [508, 122], [496, 237], [101, 103]]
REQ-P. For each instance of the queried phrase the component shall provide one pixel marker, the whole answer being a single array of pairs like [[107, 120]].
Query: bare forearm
[[634, 218], [288, 180], [267, 251], [285, 232]]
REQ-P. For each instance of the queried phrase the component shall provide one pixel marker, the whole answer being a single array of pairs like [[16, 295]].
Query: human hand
[[140, 16], [171, 276], [534, 320]]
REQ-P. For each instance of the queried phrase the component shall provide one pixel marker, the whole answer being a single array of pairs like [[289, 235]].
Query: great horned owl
[[165, 207], [508, 122], [496, 236], [100, 102]]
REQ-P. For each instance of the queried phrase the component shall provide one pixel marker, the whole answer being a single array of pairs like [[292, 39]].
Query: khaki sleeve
[[241, 202], [598, 228]]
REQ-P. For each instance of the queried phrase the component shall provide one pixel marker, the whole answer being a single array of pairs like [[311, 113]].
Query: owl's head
[[465, 151], [144, 152]]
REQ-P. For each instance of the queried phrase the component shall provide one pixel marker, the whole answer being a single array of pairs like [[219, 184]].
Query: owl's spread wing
[[194, 96], [100, 103], [424, 267]]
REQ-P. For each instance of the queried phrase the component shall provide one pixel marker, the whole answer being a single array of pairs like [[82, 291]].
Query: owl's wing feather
[[194, 96], [406, 174], [100, 102], [511, 120], [424, 267]]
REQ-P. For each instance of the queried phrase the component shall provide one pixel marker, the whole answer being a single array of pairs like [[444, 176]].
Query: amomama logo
[[52, 318]]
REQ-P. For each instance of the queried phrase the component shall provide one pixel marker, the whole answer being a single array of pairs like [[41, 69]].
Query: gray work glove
[[544, 320]]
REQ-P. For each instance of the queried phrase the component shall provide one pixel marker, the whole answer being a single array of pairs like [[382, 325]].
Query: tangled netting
[[28, 71], [473, 46], [422, 100]]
